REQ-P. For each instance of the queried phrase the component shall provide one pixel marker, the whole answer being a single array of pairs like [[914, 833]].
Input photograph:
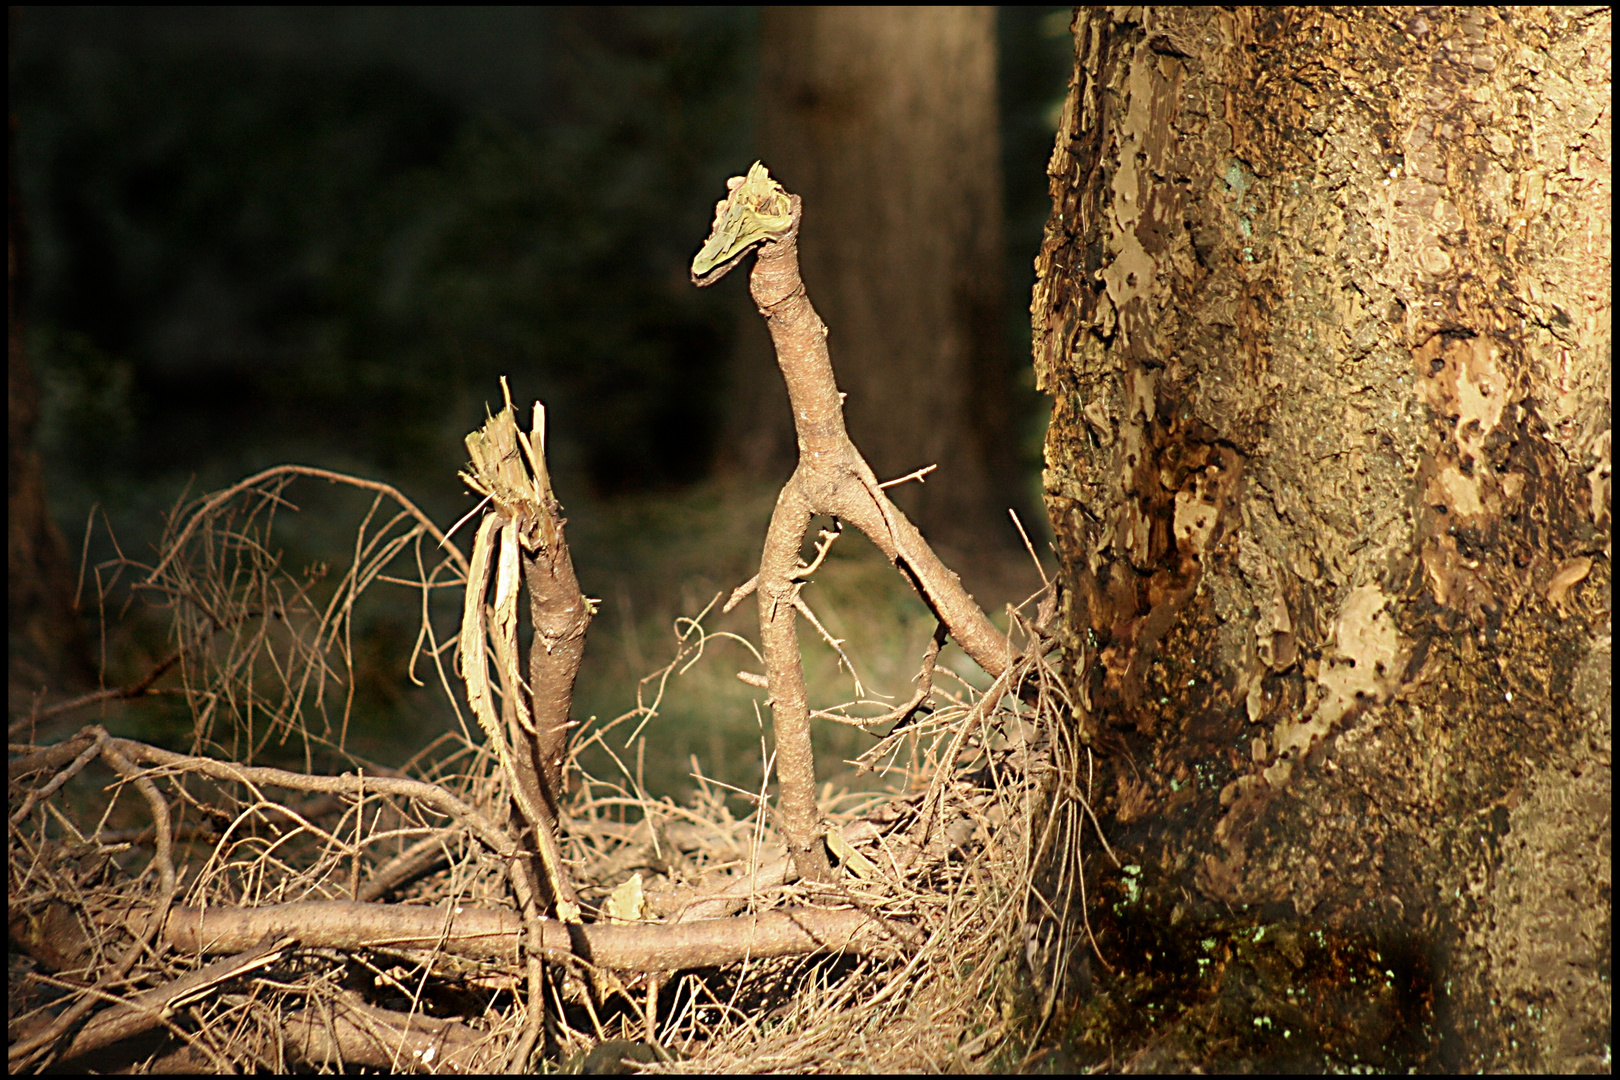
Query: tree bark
[[884, 120], [1323, 307]]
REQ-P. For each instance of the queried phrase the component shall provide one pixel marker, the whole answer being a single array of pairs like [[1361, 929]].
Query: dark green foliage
[[283, 235], [288, 256], [320, 235]]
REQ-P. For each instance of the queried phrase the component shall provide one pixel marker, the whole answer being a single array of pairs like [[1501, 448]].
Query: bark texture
[[884, 120], [1324, 311], [561, 615]]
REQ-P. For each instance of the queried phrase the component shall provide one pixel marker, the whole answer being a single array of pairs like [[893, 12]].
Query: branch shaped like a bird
[[832, 478]]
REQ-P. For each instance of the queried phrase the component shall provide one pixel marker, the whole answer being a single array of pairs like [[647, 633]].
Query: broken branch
[[832, 478]]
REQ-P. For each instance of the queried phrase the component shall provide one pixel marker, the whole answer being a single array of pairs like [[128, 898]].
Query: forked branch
[[832, 478]]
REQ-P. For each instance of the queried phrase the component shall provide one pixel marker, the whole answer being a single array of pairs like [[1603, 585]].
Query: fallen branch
[[354, 1033], [494, 934], [26, 1049], [259, 935], [146, 1011]]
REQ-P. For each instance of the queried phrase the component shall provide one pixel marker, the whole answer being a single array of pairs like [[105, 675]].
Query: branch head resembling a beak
[[757, 210]]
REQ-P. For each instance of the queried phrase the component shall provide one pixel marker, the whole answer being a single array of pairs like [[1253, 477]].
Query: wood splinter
[[522, 536]]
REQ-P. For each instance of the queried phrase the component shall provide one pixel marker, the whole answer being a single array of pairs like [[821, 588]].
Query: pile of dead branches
[[489, 905]]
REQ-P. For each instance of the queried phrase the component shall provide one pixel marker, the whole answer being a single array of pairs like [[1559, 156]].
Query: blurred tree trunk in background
[[45, 646], [1324, 310], [885, 121]]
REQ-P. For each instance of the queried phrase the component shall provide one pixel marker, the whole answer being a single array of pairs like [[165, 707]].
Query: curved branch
[[832, 478], [219, 498], [429, 794], [163, 859]]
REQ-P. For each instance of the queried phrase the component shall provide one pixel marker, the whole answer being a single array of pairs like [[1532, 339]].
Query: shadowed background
[[252, 236]]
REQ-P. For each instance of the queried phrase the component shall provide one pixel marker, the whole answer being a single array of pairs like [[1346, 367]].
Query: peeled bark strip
[[832, 478], [509, 468]]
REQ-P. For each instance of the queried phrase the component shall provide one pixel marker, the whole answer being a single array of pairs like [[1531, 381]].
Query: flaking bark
[[1323, 308]]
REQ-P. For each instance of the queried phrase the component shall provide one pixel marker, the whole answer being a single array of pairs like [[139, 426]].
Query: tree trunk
[[45, 645], [884, 120], [1323, 307]]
